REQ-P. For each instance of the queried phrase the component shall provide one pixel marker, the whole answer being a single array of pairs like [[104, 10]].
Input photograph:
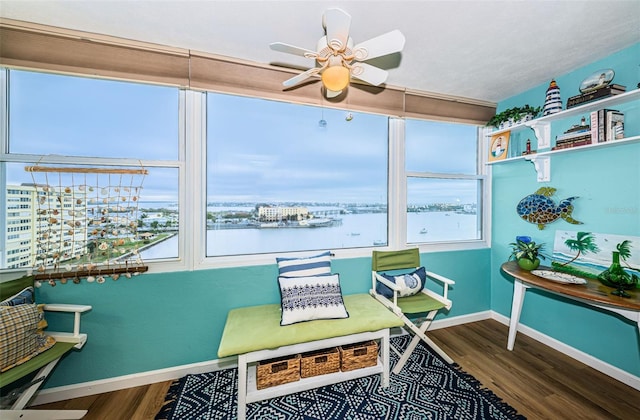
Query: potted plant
[[513, 116], [526, 252]]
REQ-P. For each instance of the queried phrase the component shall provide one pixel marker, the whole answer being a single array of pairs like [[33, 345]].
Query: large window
[[285, 177], [225, 176], [444, 184], [90, 141]]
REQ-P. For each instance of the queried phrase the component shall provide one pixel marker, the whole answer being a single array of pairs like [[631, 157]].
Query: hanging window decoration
[[86, 223]]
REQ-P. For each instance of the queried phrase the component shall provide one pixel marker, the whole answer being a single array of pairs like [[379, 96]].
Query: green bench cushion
[[258, 327]]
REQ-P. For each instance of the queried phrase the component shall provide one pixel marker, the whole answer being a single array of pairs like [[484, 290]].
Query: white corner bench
[[254, 334]]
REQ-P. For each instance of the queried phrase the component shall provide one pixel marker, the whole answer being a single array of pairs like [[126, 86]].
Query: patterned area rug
[[426, 388]]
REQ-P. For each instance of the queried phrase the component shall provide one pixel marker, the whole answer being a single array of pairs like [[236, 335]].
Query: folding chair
[[18, 383], [388, 268]]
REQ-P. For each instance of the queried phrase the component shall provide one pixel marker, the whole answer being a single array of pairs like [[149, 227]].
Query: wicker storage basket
[[278, 371], [319, 362], [358, 355]]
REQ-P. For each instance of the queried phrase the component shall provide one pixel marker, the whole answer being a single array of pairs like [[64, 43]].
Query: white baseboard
[[129, 381], [597, 364], [145, 378]]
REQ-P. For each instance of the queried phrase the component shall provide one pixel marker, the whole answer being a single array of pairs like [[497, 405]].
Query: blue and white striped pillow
[[20, 298], [305, 266]]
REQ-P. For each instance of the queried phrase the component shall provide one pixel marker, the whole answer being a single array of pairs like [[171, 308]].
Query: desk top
[[593, 290]]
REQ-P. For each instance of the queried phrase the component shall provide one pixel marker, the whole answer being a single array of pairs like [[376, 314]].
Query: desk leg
[[242, 387], [519, 290]]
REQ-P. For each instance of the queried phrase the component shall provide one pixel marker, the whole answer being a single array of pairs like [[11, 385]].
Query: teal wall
[[157, 321], [607, 180]]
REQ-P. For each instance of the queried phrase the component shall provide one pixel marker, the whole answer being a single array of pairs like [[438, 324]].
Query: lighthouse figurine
[[552, 102]]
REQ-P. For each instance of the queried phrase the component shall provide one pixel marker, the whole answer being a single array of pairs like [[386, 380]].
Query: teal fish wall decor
[[540, 209]]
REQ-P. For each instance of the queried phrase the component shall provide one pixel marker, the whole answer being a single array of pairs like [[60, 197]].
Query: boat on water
[[319, 222], [272, 225]]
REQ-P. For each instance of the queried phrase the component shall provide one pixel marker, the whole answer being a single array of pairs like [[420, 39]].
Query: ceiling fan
[[338, 59]]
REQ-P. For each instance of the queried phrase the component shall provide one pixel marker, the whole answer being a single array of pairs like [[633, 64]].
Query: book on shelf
[[603, 92], [584, 141], [614, 129], [606, 125]]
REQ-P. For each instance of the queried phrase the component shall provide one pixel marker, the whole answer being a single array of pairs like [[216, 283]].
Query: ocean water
[[355, 231]]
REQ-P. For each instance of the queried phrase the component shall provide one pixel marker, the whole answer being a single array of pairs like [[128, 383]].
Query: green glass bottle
[[616, 277]]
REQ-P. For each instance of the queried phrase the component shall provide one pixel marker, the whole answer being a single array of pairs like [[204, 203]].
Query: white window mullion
[[4, 111], [193, 191], [4, 148], [485, 170], [397, 206]]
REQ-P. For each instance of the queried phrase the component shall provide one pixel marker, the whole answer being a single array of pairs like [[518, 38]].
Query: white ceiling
[[485, 50]]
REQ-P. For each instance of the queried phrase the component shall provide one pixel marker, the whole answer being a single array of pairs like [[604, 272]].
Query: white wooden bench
[[254, 334]]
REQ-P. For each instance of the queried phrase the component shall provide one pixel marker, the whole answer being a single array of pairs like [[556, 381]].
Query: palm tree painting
[[587, 253], [584, 242]]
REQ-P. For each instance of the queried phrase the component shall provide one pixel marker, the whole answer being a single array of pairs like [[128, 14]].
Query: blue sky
[[258, 150]]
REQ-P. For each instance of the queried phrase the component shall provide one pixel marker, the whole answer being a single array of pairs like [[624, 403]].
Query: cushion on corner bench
[[21, 334], [258, 327], [312, 297], [409, 283], [305, 266], [26, 295]]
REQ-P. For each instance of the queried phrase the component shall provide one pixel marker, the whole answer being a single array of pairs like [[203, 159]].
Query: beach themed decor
[[499, 146], [540, 209], [599, 256], [87, 223], [552, 102], [597, 80]]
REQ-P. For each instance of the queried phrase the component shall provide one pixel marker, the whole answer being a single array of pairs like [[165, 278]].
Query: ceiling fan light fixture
[[338, 58], [335, 78]]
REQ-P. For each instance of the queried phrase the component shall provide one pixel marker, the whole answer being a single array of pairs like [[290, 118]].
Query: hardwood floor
[[539, 382]]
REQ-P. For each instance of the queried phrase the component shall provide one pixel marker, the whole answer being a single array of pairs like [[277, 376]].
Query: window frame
[[483, 195], [398, 213], [191, 166], [168, 264]]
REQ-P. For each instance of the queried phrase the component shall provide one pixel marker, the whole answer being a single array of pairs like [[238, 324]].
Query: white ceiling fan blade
[[292, 49], [300, 77], [388, 43], [337, 23], [368, 73]]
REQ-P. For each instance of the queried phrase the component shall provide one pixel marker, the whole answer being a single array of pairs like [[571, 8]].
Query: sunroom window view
[[280, 177], [444, 183], [73, 144], [286, 177]]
